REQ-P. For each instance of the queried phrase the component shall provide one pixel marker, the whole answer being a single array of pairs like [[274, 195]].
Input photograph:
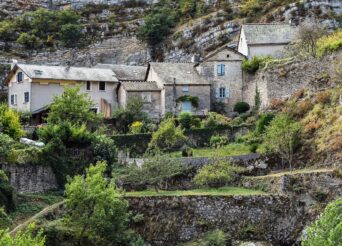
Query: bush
[[185, 120], [10, 122], [263, 121], [218, 174], [168, 136], [253, 65], [29, 237], [104, 149], [215, 238], [302, 107], [214, 120], [329, 43], [5, 220], [326, 230], [156, 172], [187, 152], [241, 107], [323, 97], [217, 141], [136, 143], [219, 107], [136, 127], [6, 143]]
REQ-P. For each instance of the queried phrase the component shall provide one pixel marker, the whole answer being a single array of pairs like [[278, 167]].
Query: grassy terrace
[[228, 150], [226, 191]]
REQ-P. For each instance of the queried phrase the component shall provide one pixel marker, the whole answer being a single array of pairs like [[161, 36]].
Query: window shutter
[[227, 93], [217, 93], [223, 69]]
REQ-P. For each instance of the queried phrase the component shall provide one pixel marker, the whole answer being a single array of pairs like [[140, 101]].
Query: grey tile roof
[[125, 72], [140, 86], [73, 73], [184, 73], [269, 33]]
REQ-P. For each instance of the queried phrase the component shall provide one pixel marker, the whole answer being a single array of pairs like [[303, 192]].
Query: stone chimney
[[14, 62]]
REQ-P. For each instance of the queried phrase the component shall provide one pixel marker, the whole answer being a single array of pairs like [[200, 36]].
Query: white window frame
[[15, 99], [222, 92]]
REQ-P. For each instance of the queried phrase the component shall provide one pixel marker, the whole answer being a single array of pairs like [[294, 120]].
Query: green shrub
[[215, 238], [215, 120], [168, 136], [187, 152], [29, 237], [6, 143], [326, 230], [10, 122], [196, 122], [104, 149], [217, 141], [329, 43], [263, 121], [218, 174], [241, 107], [253, 65], [185, 120], [136, 127], [219, 107], [156, 172], [136, 143], [5, 220]]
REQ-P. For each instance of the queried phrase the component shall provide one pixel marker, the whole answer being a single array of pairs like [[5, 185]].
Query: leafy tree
[[218, 174], [6, 143], [156, 172], [327, 229], [104, 148], [241, 107], [7, 31], [10, 122], [125, 117], [72, 106], [308, 35], [185, 120], [70, 34], [97, 211], [26, 238], [157, 25], [188, 8], [29, 41], [282, 136], [168, 136]]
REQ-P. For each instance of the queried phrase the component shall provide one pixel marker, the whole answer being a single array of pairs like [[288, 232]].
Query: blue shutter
[[227, 93], [223, 69]]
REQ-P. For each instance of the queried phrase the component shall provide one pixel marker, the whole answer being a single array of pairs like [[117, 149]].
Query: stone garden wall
[[173, 220], [30, 178]]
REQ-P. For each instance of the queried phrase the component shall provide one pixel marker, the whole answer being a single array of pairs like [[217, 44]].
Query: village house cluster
[[163, 87]]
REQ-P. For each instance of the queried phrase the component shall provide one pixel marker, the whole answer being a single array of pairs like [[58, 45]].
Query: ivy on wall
[[186, 98]]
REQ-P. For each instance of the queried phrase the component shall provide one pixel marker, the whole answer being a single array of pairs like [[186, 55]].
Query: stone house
[[265, 39], [31, 88], [222, 69], [180, 82]]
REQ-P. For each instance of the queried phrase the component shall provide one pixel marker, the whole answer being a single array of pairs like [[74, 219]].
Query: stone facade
[[31, 178], [173, 220], [230, 81]]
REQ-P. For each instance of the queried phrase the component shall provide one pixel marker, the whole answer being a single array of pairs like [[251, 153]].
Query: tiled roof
[[269, 33], [140, 86], [181, 73], [125, 72], [68, 73]]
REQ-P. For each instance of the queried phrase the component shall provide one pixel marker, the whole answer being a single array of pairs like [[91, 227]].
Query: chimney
[[195, 58], [14, 62]]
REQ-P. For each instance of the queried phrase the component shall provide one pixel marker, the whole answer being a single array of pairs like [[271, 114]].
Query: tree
[[156, 172], [168, 136], [97, 211], [157, 25], [185, 120], [72, 106], [10, 122], [29, 41], [282, 136], [7, 31], [308, 35], [70, 34], [218, 174], [25, 238], [327, 229]]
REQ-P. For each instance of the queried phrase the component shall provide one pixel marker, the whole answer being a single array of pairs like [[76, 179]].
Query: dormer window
[[20, 77], [221, 70]]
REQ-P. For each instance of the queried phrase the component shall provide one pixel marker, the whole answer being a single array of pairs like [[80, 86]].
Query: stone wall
[[173, 220], [31, 178], [283, 80]]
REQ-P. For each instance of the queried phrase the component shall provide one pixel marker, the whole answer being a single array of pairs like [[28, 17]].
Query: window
[[186, 107], [102, 86], [221, 70], [222, 92], [14, 99], [26, 97], [146, 97], [88, 86], [185, 88], [20, 77]]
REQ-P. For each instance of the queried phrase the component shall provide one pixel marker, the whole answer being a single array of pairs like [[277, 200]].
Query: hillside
[[110, 30]]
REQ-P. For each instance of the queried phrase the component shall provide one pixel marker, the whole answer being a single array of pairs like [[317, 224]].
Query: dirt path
[[42, 213]]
